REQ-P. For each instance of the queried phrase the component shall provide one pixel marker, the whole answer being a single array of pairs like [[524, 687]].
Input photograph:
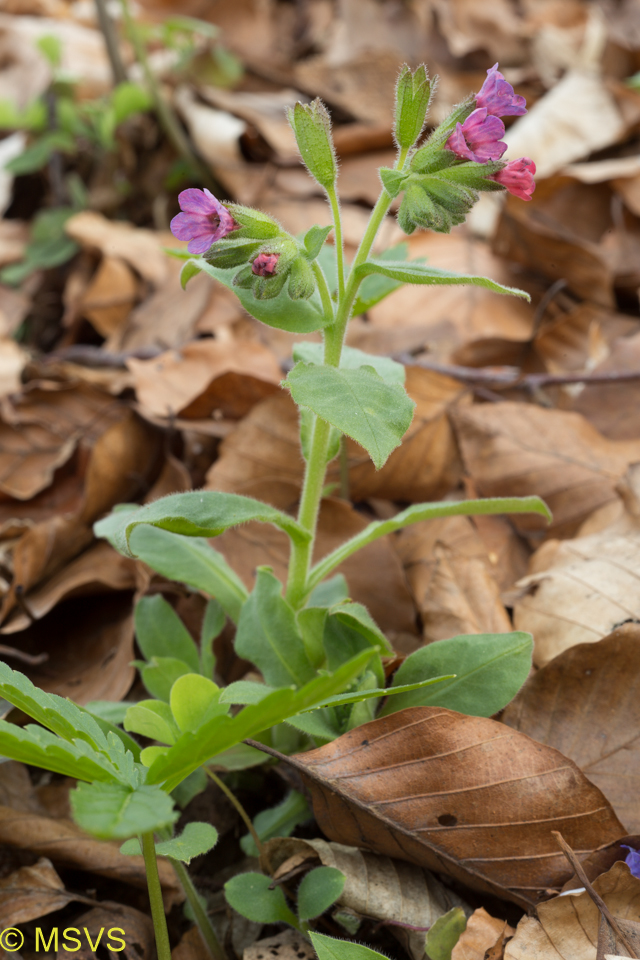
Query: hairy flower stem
[[316, 468], [201, 917], [155, 896]]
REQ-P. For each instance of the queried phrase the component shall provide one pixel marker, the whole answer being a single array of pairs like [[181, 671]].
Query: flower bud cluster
[[461, 158], [230, 235]]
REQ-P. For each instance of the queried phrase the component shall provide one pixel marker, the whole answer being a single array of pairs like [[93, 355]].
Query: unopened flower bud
[[231, 253], [517, 177], [265, 264], [253, 223], [413, 96], [302, 282], [311, 125]]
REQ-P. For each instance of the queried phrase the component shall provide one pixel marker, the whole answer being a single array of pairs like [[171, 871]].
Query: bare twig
[[597, 899], [111, 42], [32, 660], [512, 378]]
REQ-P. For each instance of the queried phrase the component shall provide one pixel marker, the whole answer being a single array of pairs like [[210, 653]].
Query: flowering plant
[[318, 652]]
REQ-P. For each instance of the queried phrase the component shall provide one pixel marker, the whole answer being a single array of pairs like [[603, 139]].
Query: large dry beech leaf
[[567, 927], [516, 449], [206, 377], [455, 567], [464, 796], [32, 892], [483, 938], [586, 703], [376, 887], [579, 590], [427, 465]]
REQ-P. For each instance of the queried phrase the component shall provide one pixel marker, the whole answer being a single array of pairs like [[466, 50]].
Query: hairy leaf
[[376, 414], [196, 839], [112, 811], [161, 633], [413, 272]]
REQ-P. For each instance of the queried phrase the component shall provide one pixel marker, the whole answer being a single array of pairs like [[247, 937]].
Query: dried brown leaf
[[32, 892], [460, 796], [579, 590], [288, 945], [455, 568], [483, 938], [586, 704], [135, 928], [567, 927], [376, 887], [205, 378], [191, 947], [516, 449], [109, 298]]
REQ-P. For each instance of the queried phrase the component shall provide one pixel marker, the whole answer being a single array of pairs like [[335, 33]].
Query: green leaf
[[490, 669], [194, 699], [320, 724], [160, 675], [278, 821], [38, 155], [194, 784], [350, 628], [245, 691], [268, 635], [414, 272], [352, 359], [40, 748], [250, 896], [161, 633], [375, 287], [425, 511], [51, 47], [314, 240], [328, 948], [330, 592], [219, 734], [297, 316], [196, 839], [444, 934], [201, 513], [319, 889], [152, 719], [212, 625], [189, 560], [62, 716], [111, 710], [358, 402], [111, 811], [129, 98]]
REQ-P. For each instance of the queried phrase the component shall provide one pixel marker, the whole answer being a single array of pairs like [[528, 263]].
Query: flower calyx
[[311, 126], [414, 93]]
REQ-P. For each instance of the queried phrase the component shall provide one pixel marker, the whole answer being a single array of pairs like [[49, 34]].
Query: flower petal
[[194, 201]]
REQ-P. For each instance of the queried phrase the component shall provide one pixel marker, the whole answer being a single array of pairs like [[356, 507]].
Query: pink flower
[[517, 177], [498, 98], [478, 138], [203, 220], [265, 264]]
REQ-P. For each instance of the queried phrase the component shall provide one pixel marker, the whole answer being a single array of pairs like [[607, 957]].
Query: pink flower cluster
[[479, 137], [265, 264], [203, 220]]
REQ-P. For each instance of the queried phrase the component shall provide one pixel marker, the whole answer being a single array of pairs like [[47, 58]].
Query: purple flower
[[265, 264], [203, 220], [632, 860], [478, 138], [517, 177], [498, 98]]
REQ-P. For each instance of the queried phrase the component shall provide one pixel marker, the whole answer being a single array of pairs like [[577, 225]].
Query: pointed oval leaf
[[413, 272], [328, 948], [350, 359], [196, 838], [358, 402], [152, 719], [489, 670], [268, 635], [161, 633], [190, 560], [202, 513]]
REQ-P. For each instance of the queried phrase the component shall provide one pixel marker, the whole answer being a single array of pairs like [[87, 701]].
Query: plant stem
[[337, 228], [203, 922], [111, 42], [155, 896], [166, 116], [323, 289], [297, 587], [230, 795]]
